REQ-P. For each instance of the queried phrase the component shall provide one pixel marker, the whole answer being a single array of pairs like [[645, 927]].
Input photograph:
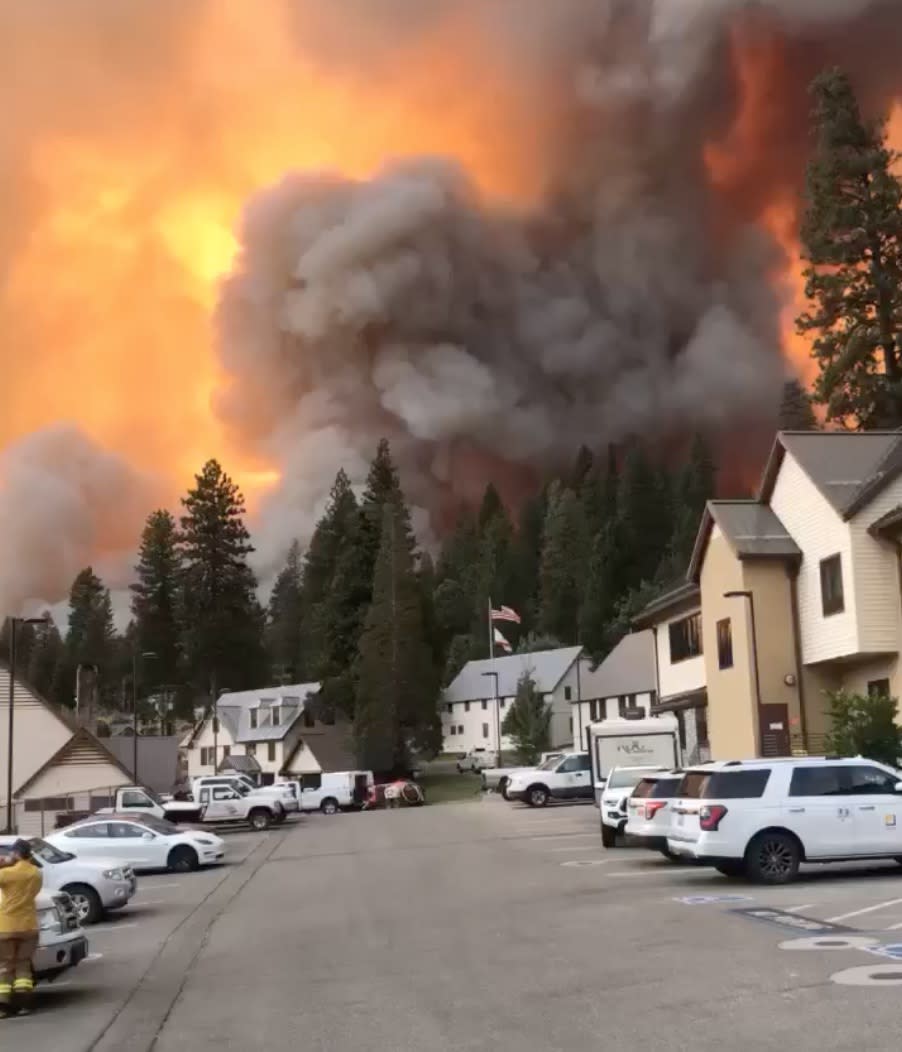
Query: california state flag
[[500, 641]]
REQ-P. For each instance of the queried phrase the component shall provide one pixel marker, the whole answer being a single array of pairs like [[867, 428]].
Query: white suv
[[615, 793], [762, 818]]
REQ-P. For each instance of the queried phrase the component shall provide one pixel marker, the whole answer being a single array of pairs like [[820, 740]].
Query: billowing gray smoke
[[634, 293], [629, 300]]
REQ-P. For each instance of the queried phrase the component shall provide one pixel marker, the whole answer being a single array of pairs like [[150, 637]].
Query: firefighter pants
[[16, 981]]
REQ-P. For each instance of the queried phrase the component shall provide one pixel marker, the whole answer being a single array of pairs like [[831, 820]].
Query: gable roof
[[683, 597], [751, 528], [332, 748], [234, 711], [82, 742], [547, 668], [849, 468], [628, 669], [64, 715], [158, 758]]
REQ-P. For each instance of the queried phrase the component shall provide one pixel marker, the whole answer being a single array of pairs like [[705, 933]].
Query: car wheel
[[329, 806], [671, 856], [731, 869], [608, 836], [537, 796], [183, 859], [773, 858], [260, 819], [86, 902], [502, 788]]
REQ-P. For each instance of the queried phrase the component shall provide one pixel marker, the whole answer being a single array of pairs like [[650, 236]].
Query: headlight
[[49, 920], [114, 874]]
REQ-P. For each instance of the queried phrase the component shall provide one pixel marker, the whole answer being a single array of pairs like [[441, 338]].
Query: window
[[453, 729], [271, 751], [98, 829], [466, 706], [725, 785], [685, 638], [622, 706], [223, 792], [226, 751], [485, 730], [485, 704], [207, 758], [597, 710], [276, 715], [568, 693], [253, 715], [724, 644], [126, 831], [823, 780], [250, 749], [216, 725], [832, 601], [132, 798], [460, 729], [501, 703], [867, 781], [878, 688], [450, 708], [573, 764]]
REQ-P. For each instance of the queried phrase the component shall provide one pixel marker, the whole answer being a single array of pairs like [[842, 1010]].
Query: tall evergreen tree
[[694, 486], [155, 597], [46, 662], [528, 721], [852, 243], [527, 557], [283, 620], [383, 486], [89, 640], [397, 687], [796, 412], [644, 520], [601, 595], [491, 506], [222, 622], [563, 569]]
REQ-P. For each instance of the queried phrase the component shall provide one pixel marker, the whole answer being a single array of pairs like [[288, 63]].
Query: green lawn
[[444, 788]]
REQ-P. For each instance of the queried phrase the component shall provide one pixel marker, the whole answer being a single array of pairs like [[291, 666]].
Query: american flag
[[500, 641], [505, 613]]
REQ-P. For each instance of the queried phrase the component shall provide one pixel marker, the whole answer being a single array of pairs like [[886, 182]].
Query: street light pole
[[494, 676], [13, 621], [144, 654]]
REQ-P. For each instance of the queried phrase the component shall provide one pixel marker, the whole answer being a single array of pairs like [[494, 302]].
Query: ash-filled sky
[[488, 229]]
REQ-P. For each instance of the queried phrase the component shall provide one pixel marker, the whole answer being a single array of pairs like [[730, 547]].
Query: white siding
[[876, 566], [680, 677], [38, 734], [603, 709], [474, 723], [205, 739], [819, 532]]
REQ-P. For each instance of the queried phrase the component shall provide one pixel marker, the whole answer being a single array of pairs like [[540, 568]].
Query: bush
[[864, 725]]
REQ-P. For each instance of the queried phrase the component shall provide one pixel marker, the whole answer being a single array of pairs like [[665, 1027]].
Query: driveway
[[485, 926]]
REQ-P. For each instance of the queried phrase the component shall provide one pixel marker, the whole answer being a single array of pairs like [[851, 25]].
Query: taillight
[[710, 817], [652, 808]]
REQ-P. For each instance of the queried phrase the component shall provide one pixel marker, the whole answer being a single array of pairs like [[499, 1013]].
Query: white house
[[675, 622], [275, 729], [624, 681], [471, 719]]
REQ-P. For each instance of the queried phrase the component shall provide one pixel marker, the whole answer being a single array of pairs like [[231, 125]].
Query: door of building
[[775, 730]]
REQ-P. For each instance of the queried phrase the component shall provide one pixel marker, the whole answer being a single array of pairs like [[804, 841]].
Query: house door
[[775, 730]]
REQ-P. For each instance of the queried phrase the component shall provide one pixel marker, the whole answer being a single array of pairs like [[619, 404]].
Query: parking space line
[[798, 909], [867, 909], [563, 836], [894, 927], [650, 872], [156, 887], [105, 928]]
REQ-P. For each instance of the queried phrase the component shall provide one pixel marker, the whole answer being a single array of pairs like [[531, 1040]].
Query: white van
[[650, 742], [337, 791]]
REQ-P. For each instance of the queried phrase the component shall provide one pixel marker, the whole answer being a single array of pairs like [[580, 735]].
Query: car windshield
[[47, 852], [625, 779], [549, 764]]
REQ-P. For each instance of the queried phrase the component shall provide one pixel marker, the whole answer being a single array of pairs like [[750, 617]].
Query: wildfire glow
[[110, 296]]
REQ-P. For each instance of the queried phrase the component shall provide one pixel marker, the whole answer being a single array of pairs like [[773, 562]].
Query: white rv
[[650, 742]]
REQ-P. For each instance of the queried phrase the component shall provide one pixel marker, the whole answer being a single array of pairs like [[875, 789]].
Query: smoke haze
[[488, 229]]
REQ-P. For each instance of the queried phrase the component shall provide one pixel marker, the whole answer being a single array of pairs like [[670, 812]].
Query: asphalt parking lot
[[482, 926]]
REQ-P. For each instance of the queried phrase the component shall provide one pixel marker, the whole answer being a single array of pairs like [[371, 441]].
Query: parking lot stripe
[[563, 836], [894, 927], [650, 872], [103, 929], [867, 909], [798, 909], [156, 887]]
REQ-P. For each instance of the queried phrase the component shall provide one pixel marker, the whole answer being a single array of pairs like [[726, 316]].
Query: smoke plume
[[488, 229]]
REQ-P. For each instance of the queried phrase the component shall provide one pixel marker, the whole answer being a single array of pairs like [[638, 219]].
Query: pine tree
[[155, 597], [563, 569], [601, 593], [46, 662], [383, 486], [852, 243], [221, 619], [397, 688], [796, 412], [528, 721], [581, 470], [89, 640], [491, 506], [644, 520], [523, 588], [283, 620], [694, 486]]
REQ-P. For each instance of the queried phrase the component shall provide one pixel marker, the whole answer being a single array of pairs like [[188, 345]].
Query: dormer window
[[253, 713]]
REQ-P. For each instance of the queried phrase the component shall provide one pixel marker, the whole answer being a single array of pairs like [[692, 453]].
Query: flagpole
[[495, 681]]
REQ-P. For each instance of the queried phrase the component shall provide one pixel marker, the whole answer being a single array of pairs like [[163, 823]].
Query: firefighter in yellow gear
[[20, 885]]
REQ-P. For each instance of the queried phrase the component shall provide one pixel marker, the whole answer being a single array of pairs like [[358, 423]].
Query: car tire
[[731, 869], [260, 819], [537, 796], [86, 901], [329, 806], [608, 836], [671, 856], [773, 858], [502, 788], [182, 859]]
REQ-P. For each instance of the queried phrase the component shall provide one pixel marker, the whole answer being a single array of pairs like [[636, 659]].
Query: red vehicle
[[401, 793]]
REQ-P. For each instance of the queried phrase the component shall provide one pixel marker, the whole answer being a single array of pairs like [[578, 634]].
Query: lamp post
[[13, 622], [494, 676], [748, 595], [145, 654], [216, 693]]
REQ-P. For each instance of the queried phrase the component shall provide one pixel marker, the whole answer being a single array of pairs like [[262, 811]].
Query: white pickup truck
[[497, 778], [566, 777], [61, 944], [242, 785], [214, 805]]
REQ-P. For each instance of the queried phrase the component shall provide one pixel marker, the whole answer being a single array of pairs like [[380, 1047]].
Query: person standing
[[20, 885]]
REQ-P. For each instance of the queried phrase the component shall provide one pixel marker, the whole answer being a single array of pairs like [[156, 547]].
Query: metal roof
[[547, 668], [752, 528], [628, 669], [158, 758], [686, 595], [234, 711]]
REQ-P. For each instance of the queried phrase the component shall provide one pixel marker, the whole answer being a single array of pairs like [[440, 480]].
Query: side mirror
[[898, 787], [147, 836]]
